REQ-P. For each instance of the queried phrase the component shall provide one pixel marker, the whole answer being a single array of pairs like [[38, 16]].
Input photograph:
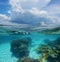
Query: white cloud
[[34, 16], [38, 12], [2, 16], [53, 9], [47, 0], [24, 9], [4, 19], [27, 4], [29, 12]]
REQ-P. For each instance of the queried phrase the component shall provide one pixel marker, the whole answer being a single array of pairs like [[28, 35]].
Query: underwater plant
[[50, 52], [20, 47]]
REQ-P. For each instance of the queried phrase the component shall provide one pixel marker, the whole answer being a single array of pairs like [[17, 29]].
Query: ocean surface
[[5, 41]]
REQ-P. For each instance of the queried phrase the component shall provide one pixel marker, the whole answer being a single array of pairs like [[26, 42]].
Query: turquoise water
[[5, 40]]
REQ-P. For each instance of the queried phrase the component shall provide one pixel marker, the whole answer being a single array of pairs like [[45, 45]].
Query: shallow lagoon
[[5, 40]]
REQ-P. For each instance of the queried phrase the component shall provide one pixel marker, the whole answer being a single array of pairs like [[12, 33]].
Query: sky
[[24, 13]]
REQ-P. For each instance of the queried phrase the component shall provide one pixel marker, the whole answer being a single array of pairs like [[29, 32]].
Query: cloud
[[31, 17], [4, 19], [34, 17], [28, 4], [53, 9], [38, 12], [6, 22], [26, 13]]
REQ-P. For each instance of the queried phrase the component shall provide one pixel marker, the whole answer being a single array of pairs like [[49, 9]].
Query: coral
[[27, 59], [20, 47], [50, 51]]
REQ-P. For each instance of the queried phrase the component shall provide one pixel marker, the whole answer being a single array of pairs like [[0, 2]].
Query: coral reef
[[27, 59], [20, 47], [50, 52]]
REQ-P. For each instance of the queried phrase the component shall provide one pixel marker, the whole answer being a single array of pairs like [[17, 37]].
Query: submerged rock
[[27, 59], [20, 47]]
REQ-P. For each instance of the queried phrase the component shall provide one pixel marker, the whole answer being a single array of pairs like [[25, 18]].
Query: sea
[[37, 38]]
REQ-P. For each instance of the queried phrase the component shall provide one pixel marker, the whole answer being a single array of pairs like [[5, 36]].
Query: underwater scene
[[29, 30], [29, 46]]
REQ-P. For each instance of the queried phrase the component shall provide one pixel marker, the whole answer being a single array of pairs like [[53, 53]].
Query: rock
[[20, 47], [27, 59]]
